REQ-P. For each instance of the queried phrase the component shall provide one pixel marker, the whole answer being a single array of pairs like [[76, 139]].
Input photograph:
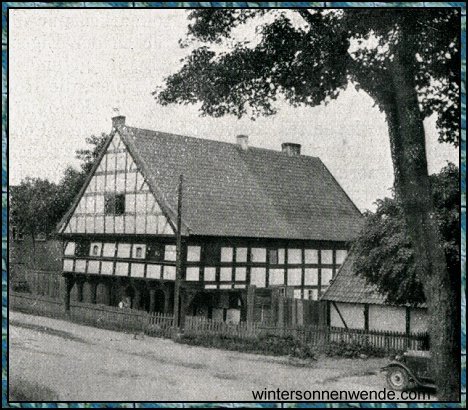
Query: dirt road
[[81, 363]]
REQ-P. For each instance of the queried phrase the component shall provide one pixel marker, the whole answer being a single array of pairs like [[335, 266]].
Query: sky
[[69, 69]]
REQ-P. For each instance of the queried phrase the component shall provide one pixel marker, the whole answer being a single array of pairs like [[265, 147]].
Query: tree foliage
[[383, 252], [313, 60]]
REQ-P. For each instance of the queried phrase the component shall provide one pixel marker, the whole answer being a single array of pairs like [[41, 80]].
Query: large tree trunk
[[412, 188]]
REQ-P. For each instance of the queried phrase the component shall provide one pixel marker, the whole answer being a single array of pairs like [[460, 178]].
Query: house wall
[[353, 314], [304, 267], [388, 318], [381, 317]]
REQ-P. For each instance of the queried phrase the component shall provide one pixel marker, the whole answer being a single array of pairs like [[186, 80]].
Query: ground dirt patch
[[49, 331], [24, 390]]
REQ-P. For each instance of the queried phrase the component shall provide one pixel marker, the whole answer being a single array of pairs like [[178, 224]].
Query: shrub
[[353, 350], [263, 344]]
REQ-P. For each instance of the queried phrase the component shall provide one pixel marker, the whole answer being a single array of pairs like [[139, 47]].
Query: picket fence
[[162, 325], [315, 335]]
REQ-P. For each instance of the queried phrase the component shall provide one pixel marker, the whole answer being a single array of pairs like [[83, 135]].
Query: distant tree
[[89, 155], [383, 253], [407, 60], [37, 205], [32, 206]]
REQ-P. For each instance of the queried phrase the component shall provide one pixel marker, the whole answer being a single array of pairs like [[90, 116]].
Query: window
[[276, 256], [139, 251], [273, 256], [95, 249], [155, 252], [114, 204], [212, 254], [82, 248]]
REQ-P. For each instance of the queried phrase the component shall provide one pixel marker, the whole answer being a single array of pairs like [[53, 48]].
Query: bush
[[353, 350], [269, 344]]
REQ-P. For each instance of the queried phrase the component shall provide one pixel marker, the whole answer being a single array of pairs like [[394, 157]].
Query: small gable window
[[115, 204], [139, 251]]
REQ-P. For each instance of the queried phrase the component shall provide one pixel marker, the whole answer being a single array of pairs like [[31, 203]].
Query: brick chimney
[[243, 142], [291, 149], [118, 121]]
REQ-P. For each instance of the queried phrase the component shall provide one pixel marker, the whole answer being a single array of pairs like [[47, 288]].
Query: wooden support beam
[[250, 303], [339, 313], [178, 254], [68, 287], [152, 301]]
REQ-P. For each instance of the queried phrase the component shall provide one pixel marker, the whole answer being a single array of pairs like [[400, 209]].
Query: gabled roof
[[347, 287], [233, 192]]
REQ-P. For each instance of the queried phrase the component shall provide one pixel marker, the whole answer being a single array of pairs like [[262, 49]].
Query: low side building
[[355, 304]]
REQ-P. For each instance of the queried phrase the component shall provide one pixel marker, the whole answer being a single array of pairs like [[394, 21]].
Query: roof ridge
[[220, 142]]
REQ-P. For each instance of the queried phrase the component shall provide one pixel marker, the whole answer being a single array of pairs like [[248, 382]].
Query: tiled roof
[[351, 288], [254, 193]]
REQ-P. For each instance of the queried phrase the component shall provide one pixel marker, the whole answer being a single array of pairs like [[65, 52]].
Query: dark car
[[412, 369]]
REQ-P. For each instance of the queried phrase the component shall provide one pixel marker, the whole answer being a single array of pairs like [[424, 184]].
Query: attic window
[[115, 204]]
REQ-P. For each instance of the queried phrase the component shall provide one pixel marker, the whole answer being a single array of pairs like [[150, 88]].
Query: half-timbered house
[[252, 219]]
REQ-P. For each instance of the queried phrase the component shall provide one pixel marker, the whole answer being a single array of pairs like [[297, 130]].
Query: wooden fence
[[316, 335], [158, 324], [108, 317]]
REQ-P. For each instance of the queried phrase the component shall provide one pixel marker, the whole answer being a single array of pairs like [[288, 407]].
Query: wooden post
[[152, 304], [93, 288], [79, 288], [136, 299], [66, 295], [250, 303], [178, 254], [167, 298], [280, 311]]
